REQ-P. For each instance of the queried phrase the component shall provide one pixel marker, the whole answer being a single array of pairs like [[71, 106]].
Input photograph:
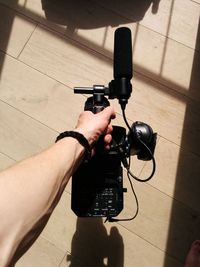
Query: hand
[[92, 126]]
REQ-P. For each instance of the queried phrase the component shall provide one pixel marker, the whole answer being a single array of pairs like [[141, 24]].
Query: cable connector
[[110, 219]]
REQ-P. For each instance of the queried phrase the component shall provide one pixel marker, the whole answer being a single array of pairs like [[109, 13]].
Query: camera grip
[[96, 103]]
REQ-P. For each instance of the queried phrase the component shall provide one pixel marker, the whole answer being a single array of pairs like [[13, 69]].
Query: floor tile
[[42, 253]]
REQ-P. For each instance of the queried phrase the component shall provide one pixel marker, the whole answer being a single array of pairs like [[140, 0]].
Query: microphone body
[[123, 54], [121, 87]]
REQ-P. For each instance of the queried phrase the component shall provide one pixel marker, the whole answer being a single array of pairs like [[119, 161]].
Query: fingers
[[109, 129], [107, 138], [107, 141], [92, 126], [109, 113]]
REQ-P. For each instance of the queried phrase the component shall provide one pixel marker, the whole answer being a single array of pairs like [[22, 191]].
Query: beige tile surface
[[46, 50], [65, 60], [65, 68], [176, 116], [62, 58], [172, 19], [177, 173], [42, 253], [5, 161], [155, 220], [91, 242], [20, 135], [15, 30], [153, 58], [168, 61], [39, 96]]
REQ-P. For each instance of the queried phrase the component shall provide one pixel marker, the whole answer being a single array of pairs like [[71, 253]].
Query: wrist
[[89, 136], [79, 136]]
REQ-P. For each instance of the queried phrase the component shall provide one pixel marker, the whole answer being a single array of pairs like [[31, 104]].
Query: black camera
[[97, 185]]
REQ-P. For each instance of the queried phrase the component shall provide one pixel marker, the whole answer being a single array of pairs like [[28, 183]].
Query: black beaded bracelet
[[80, 138]]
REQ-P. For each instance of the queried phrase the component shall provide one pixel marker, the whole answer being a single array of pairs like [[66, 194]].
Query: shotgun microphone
[[121, 87], [123, 54]]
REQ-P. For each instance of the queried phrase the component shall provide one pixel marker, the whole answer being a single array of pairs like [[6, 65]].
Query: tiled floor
[[46, 48]]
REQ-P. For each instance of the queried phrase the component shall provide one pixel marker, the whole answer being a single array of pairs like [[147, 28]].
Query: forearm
[[31, 189]]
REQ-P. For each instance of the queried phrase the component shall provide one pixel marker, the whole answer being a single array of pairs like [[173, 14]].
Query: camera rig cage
[[97, 185]]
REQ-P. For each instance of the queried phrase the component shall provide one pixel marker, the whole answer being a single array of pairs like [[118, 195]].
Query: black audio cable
[[129, 173], [148, 150]]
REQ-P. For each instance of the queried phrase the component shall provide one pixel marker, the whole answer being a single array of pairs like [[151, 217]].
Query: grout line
[[192, 210], [150, 243], [1, 152], [181, 148], [27, 115], [156, 81], [27, 41], [48, 240], [66, 252]]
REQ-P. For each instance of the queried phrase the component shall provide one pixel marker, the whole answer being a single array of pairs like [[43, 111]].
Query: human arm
[[31, 189]]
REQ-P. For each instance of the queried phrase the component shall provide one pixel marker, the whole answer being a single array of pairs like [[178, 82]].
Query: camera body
[[97, 185]]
